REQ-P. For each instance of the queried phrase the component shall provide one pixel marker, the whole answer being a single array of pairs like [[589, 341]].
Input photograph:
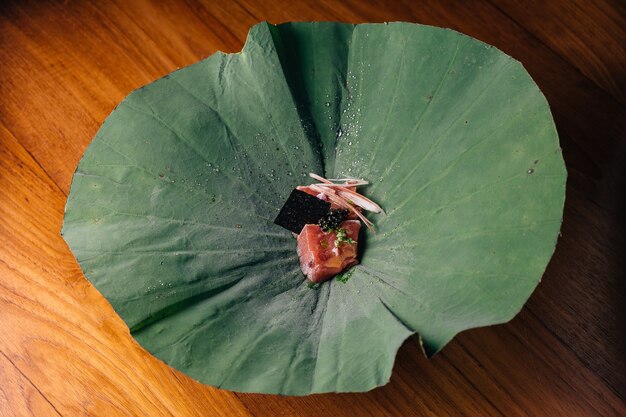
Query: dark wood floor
[[64, 65]]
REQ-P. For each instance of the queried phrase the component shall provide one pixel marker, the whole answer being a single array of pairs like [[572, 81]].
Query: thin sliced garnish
[[353, 197], [351, 181], [340, 201], [319, 178]]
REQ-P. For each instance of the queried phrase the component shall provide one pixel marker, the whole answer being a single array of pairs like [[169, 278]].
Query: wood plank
[[18, 396], [540, 375], [582, 296], [70, 64], [590, 35], [59, 331]]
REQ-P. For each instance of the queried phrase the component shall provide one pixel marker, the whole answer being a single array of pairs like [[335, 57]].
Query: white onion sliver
[[345, 196]]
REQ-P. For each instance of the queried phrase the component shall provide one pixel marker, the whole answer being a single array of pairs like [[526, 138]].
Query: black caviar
[[332, 219]]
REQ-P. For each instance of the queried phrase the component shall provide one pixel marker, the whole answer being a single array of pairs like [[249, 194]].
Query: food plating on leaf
[[327, 242]]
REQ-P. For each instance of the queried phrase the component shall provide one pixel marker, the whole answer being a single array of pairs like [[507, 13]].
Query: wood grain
[[18, 396], [589, 35], [63, 351]]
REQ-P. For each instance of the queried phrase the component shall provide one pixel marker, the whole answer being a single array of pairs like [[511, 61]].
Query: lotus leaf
[[171, 208]]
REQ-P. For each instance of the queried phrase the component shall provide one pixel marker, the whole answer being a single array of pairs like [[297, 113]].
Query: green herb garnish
[[314, 285], [342, 237], [343, 278]]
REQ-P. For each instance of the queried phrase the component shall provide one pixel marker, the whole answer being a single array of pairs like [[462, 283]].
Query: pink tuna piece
[[320, 258]]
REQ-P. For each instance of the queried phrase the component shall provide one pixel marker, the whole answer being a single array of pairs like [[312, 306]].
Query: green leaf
[[171, 209]]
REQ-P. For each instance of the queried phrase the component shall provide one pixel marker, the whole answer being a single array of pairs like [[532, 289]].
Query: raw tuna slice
[[322, 255]]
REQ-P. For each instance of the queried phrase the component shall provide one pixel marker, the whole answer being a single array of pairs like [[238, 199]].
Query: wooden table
[[64, 65]]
